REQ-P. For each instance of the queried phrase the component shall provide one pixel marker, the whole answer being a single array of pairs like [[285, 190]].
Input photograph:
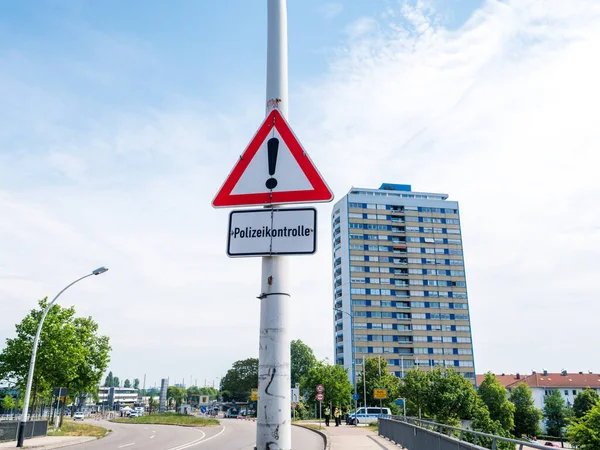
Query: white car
[[369, 415], [78, 416]]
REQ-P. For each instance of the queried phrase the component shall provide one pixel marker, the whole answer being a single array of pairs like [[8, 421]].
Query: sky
[[120, 121]]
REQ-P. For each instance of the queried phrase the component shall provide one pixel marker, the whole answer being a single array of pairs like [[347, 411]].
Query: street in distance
[[264, 232]]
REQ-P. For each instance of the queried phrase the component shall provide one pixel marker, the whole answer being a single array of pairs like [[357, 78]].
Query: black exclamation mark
[[272, 147]]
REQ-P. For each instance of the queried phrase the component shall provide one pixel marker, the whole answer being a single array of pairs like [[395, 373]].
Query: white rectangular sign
[[264, 232]]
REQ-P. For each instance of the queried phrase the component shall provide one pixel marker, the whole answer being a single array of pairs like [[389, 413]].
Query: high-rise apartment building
[[399, 286]]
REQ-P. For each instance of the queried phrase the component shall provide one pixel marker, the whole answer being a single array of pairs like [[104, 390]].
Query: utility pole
[[380, 400], [365, 383], [274, 429]]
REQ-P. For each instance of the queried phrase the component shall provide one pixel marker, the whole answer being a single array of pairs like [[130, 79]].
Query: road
[[231, 435]]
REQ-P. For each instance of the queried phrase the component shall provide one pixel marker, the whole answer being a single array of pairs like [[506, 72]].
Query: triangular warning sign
[[274, 169]]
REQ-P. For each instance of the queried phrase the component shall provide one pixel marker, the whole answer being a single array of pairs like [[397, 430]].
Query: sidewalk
[[349, 437], [49, 442]]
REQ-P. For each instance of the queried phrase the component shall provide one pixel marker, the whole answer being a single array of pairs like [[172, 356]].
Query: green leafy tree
[[152, 404], [585, 431], [483, 422], [376, 376], [527, 416], [495, 396], [127, 383], [116, 382], [210, 391], [8, 403], [239, 381], [584, 401], [337, 389], [108, 381], [176, 396], [70, 353], [555, 413], [302, 360], [415, 389], [136, 383], [451, 396]]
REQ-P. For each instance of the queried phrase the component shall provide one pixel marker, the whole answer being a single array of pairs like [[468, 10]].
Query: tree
[[127, 383], [108, 381], [495, 396], [554, 413], [451, 396], [176, 395], [415, 389], [136, 383], [302, 360], [584, 401], [337, 389], [8, 403], [151, 404], [585, 432], [484, 423], [70, 353], [116, 382], [210, 391], [376, 381], [239, 381], [527, 416]]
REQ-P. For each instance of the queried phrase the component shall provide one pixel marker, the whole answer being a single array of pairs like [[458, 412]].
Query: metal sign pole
[[273, 429], [320, 415]]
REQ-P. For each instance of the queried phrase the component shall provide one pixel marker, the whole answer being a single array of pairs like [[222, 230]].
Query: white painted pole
[[274, 430]]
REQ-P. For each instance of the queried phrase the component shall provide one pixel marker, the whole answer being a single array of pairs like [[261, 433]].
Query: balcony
[[398, 229]]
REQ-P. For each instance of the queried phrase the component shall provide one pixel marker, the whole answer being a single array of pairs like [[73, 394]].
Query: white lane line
[[189, 444], [126, 445], [152, 437], [212, 437]]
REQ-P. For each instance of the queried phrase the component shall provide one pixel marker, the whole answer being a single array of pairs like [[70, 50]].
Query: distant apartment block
[[541, 384], [399, 286]]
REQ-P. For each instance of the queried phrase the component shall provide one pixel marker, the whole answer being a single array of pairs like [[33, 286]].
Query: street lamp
[[21, 430], [353, 359]]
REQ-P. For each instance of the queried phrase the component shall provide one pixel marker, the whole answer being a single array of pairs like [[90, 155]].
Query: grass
[[311, 425], [169, 419], [78, 429]]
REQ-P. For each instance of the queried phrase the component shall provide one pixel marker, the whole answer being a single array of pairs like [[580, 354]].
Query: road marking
[[152, 437], [189, 444], [212, 437], [126, 445]]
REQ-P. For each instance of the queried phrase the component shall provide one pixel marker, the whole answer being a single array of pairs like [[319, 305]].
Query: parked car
[[231, 413], [368, 415], [134, 413], [78, 416]]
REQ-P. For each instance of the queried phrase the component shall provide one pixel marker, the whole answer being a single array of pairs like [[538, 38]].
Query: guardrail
[[417, 434]]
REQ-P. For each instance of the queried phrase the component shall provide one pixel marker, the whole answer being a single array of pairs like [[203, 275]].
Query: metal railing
[[416, 434]]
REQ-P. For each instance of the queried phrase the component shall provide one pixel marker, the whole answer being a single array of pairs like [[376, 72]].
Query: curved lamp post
[[352, 354], [21, 430]]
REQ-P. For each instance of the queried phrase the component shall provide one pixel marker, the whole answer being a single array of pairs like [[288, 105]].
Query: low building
[[543, 383], [114, 397]]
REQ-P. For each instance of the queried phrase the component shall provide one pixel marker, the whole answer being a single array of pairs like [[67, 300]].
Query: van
[[368, 415]]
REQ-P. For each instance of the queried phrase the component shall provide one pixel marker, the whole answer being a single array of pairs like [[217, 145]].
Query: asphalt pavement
[[232, 434]]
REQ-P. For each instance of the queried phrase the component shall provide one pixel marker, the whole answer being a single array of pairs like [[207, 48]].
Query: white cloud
[[500, 114]]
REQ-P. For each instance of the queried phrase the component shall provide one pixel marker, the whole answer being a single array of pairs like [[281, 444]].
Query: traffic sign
[[294, 405], [355, 397], [264, 232], [320, 388], [399, 402], [203, 410], [274, 169], [380, 393], [254, 395], [319, 397]]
